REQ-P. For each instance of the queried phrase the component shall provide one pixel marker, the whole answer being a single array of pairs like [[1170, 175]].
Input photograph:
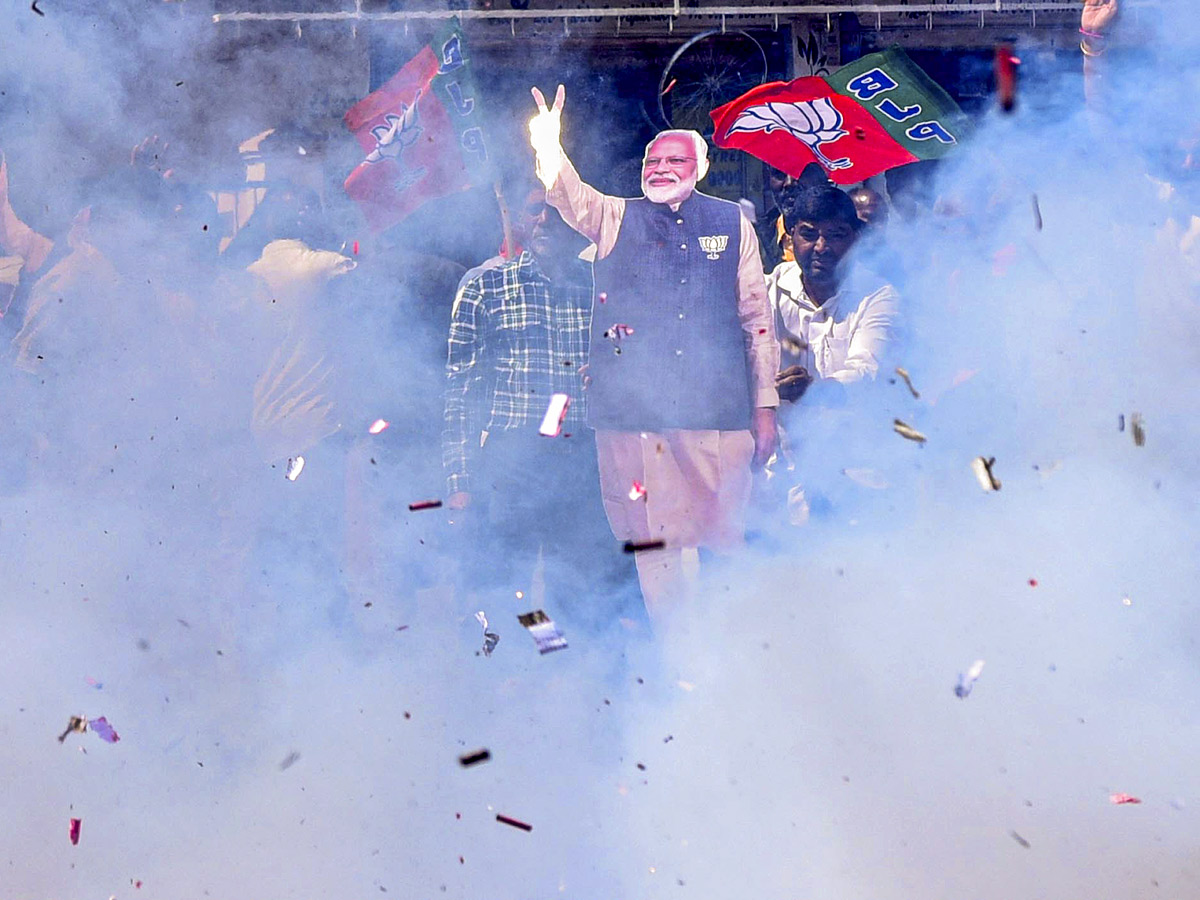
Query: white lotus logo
[[815, 122], [399, 132]]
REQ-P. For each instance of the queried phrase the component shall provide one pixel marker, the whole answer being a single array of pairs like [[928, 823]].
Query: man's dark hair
[[817, 203]]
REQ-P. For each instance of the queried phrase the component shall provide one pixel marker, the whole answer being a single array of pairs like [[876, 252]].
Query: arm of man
[[464, 372], [869, 344], [17, 238], [595, 215], [762, 347]]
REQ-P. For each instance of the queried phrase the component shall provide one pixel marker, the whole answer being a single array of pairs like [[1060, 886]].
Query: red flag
[[420, 134], [877, 113]]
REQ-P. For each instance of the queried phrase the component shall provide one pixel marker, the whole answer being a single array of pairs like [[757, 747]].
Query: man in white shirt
[[834, 321]]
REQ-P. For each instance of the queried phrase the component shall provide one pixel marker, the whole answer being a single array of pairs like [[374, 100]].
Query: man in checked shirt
[[518, 334]]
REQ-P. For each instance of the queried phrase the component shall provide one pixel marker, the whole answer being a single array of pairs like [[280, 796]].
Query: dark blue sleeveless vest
[[672, 278]]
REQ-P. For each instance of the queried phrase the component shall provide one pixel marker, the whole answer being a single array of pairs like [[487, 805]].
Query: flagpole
[[504, 220]]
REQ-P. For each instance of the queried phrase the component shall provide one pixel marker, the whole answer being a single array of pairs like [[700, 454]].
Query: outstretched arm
[[595, 215]]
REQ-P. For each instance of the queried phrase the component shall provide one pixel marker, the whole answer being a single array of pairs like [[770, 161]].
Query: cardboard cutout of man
[[683, 352]]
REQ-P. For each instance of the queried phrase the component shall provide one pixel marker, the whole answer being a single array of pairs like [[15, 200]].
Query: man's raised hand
[[1098, 16], [544, 131]]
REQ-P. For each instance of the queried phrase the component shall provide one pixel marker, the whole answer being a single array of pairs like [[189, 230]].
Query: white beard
[[669, 193]]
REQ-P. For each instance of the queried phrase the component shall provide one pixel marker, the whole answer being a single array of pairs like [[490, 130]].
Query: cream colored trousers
[[697, 492]]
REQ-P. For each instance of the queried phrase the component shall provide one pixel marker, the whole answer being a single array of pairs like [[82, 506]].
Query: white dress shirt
[[844, 338]]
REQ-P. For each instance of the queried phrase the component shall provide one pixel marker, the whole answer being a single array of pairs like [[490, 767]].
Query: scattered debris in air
[[555, 413], [490, 639], [545, 633], [294, 467], [908, 432], [475, 758], [967, 680], [983, 473], [515, 823], [903, 373]]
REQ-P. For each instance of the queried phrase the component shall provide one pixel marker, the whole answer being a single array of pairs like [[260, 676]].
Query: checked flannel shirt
[[515, 339]]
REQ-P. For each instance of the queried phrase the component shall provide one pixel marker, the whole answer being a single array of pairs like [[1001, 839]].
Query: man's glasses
[[675, 162]]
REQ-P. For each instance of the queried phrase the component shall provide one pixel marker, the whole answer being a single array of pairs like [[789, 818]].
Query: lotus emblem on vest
[[714, 245]]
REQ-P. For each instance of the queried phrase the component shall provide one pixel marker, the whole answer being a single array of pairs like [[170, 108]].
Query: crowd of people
[[717, 357]]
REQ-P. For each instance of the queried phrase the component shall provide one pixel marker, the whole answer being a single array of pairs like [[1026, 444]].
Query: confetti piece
[[92, 682], [638, 491], [603, 297], [1120, 799], [1120, 421], [616, 334], [1020, 840], [289, 761], [1033, 582], [515, 823], [475, 758], [104, 731], [903, 373], [967, 680], [667, 89], [860, 133], [75, 723], [490, 639], [424, 504], [33, 6], [73, 830], [1006, 77], [908, 432], [983, 473], [555, 413], [545, 633], [356, 248], [634, 547], [377, 426], [1137, 426], [294, 468], [1037, 214]]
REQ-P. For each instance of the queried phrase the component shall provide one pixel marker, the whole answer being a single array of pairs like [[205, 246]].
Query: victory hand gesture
[[544, 131], [1098, 15]]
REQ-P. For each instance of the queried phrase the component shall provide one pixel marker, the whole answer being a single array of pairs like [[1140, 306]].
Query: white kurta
[[843, 338]]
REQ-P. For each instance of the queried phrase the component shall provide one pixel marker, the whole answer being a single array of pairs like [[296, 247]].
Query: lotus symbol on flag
[[815, 122], [399, 132]]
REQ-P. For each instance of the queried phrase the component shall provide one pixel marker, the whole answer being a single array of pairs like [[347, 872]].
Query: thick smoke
[[293, 671]]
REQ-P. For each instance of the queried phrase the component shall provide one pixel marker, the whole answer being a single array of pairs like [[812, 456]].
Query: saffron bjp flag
[[421, 132], [877, 113]]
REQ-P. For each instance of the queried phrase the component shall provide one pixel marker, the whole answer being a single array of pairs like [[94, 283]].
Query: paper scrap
[[76, 723], [637, 491], [1120, 799], [377, 426], [490, 639], [424, 504], [73, 830], [294, 468], [103, 730], [289, 761], [515, 823], [473, 759], [555, 413], [1138, 427], [967, 680], [635, 546], [907, 431], [903, 373], [983, 473], [545, 633], [1020, 840]]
